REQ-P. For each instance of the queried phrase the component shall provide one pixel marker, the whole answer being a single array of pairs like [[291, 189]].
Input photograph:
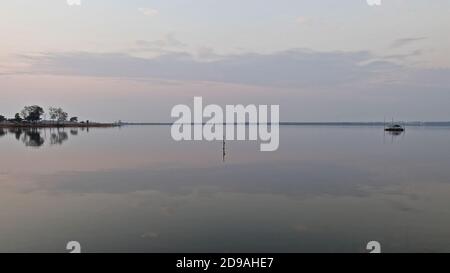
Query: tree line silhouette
[[34, 114]]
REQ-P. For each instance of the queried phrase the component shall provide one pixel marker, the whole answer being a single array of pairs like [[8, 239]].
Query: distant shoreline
[[416, 124], [109, 125], [58, 125]]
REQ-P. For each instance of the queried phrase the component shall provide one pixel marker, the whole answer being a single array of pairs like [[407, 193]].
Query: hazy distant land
[[295, 123]]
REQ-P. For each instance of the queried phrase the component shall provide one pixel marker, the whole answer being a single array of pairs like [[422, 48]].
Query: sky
[[322, 60]]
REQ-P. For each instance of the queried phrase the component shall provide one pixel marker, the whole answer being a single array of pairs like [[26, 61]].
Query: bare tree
[[57, 114]]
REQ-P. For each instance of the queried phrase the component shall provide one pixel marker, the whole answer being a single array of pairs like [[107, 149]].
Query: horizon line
[[296, 123]]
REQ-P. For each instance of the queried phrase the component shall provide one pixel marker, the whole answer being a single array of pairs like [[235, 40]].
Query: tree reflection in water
[[2, 132], [37, 137], [58, 137], [17, 132], [33, 138]]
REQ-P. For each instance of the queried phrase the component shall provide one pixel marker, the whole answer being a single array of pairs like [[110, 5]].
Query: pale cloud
[[406, 41], [208, 53], [302, 20], [300, 68], [404, 56], [169, 41], [149, 11], [358, 85]]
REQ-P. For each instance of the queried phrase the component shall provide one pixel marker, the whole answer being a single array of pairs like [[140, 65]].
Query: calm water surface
[[134, 189]]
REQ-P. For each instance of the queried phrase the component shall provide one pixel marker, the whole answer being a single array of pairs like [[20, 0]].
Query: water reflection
[[392, 136], [327, 189], [32, 138], [38, 137], [58, 138]]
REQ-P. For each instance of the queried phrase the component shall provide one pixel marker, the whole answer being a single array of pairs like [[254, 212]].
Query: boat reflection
[[395, 133]]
